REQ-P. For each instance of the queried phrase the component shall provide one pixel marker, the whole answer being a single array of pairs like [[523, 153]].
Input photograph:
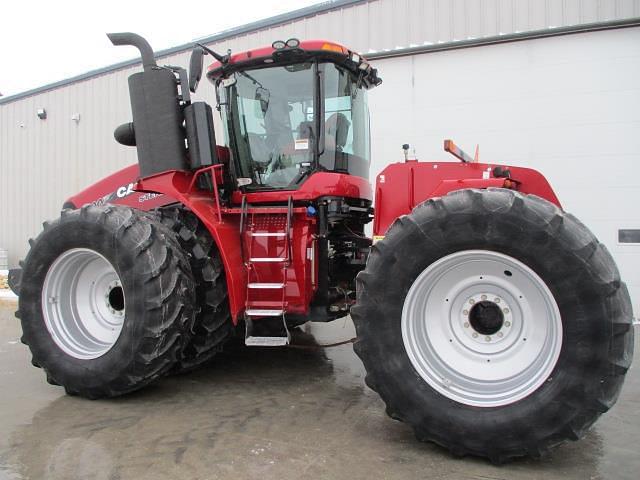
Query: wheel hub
[[486, 317], [474, 309], [115, 298], [83, 303]]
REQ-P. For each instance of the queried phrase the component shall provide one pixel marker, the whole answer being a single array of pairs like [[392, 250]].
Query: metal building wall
[[42, 162]]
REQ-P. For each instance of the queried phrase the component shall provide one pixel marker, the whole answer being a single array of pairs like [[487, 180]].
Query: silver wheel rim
[[83, 303], [468, 355]]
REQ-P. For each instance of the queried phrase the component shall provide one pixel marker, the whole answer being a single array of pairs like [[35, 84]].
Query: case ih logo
[[125, 190], [121, 192]]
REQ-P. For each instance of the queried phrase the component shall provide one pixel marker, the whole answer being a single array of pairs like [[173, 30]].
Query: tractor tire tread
[[213, 325], [165, 309], [467, 219]]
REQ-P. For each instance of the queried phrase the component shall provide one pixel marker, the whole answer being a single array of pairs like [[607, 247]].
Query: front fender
[[402, 186], [224, 229]]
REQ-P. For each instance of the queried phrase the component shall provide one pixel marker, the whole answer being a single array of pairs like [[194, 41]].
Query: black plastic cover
[[125, 134], [201, 137], [157, 117]]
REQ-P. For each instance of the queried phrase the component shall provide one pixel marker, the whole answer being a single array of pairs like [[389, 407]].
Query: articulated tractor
[[488, 319]]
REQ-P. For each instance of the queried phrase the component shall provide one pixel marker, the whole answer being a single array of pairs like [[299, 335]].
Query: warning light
[[333, 48]]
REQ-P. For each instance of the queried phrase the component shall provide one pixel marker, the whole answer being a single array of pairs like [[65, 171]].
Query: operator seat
[[337, 131], [305, 130]]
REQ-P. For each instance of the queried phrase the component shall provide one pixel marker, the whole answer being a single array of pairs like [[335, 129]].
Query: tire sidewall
[[427, 235], [73, 231]]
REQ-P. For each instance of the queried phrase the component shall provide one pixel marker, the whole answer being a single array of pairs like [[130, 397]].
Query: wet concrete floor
[[260, 413]]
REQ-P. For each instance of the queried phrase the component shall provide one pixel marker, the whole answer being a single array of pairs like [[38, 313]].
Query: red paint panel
[[402, 186], [299, 287], [318, 185], [119, 188], [225, 230]]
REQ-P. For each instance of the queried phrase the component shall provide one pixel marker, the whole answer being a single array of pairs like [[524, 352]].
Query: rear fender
[[402, 186], [119, 189], [225, 230]]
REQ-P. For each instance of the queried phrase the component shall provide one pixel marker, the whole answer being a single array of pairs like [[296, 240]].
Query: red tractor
[[488, 319]]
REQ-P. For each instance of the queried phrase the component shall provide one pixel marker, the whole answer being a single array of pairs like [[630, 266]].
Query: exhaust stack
[[157, 114], [135, 40]]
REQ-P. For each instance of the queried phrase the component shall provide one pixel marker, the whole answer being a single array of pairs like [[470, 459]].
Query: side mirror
[[263, 95], [195, 68]]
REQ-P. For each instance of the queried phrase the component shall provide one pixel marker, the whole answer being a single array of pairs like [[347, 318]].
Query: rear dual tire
[[480, 395], [106, 300], [213, 326]]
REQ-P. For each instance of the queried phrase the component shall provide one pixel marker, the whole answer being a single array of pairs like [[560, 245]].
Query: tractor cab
[[291, 110]]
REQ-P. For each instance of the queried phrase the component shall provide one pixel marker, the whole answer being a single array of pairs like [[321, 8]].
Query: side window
[[337, 117]]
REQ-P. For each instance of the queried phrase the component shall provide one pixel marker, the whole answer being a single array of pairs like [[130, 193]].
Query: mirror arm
[[224, 59]]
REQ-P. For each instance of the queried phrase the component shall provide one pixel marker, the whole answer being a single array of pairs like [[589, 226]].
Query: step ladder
[[267, 254]]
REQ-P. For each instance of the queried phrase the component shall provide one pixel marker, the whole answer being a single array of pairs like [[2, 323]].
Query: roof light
[[278, 45], [293, 43], [332, 47]]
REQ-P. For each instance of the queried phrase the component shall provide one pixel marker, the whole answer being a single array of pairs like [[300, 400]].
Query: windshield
[[273, 139], [272, 124]]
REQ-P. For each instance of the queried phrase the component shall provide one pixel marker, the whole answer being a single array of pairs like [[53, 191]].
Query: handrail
[[212, 169], [288, 238], [243, 216]]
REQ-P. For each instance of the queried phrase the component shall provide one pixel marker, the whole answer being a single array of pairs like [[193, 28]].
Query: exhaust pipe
[[157, 130], [135, 40]]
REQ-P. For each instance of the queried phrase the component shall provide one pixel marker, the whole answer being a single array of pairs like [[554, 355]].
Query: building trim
[[325, 7], [506, 38]]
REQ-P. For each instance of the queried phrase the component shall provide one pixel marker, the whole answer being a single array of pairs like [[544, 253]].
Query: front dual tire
[[106, 300], [493, 323]]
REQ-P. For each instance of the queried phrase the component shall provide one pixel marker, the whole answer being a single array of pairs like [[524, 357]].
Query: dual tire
[[213, 326], [108, 301]]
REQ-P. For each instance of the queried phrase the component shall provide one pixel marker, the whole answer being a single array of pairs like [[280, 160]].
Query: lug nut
[[465, 312], [483, 297], [474, 335], [500, 334], [497, 300], [471, 301], [487, 338], [506, 310], [466, 324], [507, 323]]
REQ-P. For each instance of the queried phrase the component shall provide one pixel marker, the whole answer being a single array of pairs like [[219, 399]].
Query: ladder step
[[268, 234], [266, 341], [267, 259], [266, 285], [263, 312]]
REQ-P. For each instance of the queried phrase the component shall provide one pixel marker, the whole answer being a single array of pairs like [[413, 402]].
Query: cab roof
[[295, 51]]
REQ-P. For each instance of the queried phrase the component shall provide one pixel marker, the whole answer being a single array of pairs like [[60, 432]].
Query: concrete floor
[[260, 413]]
